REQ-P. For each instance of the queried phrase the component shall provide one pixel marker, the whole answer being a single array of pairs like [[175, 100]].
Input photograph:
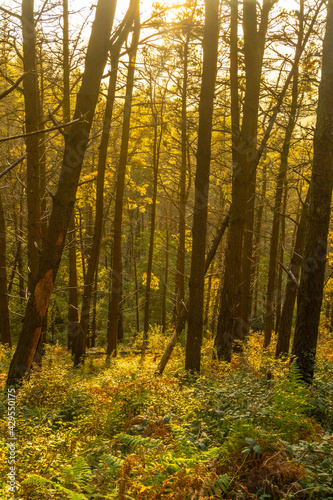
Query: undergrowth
[[247, 430]]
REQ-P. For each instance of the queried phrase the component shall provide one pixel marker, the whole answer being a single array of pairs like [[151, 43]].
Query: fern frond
[[135, 442], [112, 461], [42, 482]]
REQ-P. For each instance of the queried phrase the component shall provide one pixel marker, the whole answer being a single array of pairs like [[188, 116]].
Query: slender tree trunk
[[156, 157], [5, 336], [184, 311], [199, 228], [257, 237], [284, 332], [83, 329], [30, 92], [278, 299], [282, 176], [180, 270], [136, 283], [64, 199], [73, 303], [166, 277], [313, 268], [120, 186], [94, 312]]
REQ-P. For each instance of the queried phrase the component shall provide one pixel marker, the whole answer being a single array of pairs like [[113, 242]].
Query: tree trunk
[[257, 237], [180, 269], [284, 331], [73, 303], [313, 268], [282, 176], [112, 334], [5, 336], [156, 158], [231, 325], [199, 228], [83, 328], [64, 199], [278, 299], [166, 277], [30, 92]]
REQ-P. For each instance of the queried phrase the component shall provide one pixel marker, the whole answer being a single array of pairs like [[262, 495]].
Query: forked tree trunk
[[199, 228], [64, 199], [310, 293], [116, 285]]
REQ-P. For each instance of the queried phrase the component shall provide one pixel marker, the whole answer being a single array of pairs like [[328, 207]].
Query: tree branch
[[13, 87], [29, 134], [290, 274], [16, 162]]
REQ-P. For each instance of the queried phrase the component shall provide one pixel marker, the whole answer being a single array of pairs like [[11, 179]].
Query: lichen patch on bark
[[43, 292]]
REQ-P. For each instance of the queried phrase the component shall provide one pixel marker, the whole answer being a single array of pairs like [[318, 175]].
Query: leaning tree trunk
[[63, 201], [199, 228], [310, 293], [116, 285]]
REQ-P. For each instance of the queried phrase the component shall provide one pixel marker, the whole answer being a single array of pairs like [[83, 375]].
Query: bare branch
[[20, 136], [290, 274], [13, 87], [10, 13], [16, 162]]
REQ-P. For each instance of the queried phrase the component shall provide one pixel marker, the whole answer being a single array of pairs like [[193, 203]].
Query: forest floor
[[247, 430]]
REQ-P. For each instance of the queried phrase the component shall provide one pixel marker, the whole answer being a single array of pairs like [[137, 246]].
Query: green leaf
[[250, 441], [257, 449]]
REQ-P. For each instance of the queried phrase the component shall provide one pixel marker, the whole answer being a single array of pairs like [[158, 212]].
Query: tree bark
[[156, 160], [83, 327], [313, 268], [64, 199], [199, 228], [30, 92], [284, 331], [180, 269], [5, 336], [281, 179], [116, 285]]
